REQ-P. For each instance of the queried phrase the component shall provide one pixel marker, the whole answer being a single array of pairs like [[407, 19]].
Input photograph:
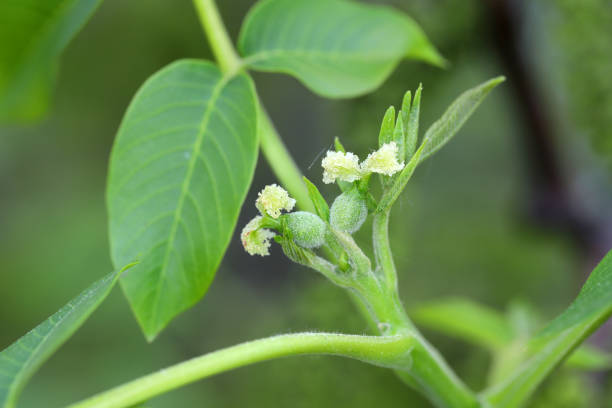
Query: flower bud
[[256, 240], [348, 212], [272, 200], [308, 230], [340, 165], [383, 161]]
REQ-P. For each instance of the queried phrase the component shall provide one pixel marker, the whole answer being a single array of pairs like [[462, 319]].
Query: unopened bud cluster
[[304, 228], [347, 213]]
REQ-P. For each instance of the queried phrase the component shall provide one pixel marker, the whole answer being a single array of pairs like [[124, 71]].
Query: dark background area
[[518, 206]]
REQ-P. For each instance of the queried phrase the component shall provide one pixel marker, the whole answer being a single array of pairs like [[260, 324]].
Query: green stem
[[384, 351], [272, 145], [382, 249], [218, 38], [428, 372], [281, 162]]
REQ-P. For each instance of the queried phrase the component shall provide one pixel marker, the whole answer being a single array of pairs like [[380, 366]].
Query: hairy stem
[[272, 145], [382, 249], [384, 351], [429, 373]]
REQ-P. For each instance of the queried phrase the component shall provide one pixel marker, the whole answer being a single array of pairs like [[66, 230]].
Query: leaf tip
[[493, 82], [338, 145], [150, 337], [433, 57], [128, 266]]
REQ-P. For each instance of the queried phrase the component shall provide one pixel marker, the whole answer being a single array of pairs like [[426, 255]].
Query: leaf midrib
[[185, 190]]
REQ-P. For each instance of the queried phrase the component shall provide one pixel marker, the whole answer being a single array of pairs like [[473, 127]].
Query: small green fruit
[[308, 230], [348, 212]]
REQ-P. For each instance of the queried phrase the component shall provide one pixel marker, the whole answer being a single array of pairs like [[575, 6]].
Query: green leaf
[[387, 127], [321, 206], [337, 48], [467, 320], [589, 358], [411, 126], [503, 335], [456, 115], [556, 341], [338, 145], [180, 169], [22, 359], [33, 34], [399, 139], [401, 125], [294, 252]]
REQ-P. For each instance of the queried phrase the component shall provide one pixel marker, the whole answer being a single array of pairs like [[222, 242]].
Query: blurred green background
[[518, 206]]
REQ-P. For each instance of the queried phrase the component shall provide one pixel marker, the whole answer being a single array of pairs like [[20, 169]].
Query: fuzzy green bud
[[348, 212], [308, 230]]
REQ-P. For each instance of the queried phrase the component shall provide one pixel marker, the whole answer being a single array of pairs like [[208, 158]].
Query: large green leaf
[[556, 341], [21, 359], [180, 169], [337, 48], [33, 34], [442, 130]]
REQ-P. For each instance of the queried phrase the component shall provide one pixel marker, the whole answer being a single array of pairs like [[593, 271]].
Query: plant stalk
[[272, 146], [218, 38], [383, 351], [428, 372], [281, 162], [382, 248]]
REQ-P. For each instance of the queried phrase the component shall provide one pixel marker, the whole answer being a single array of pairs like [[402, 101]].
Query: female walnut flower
[[383, 161], [272, 200], [256, 240], [340, 165]]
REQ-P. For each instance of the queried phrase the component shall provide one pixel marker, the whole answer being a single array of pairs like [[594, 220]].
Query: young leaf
[[456, 115], [590, 358], [405, 109], [321, 206], [22, 359], [387, 127], [337, 48], [294, 252], [485, 327], [338, 145], [32, 36], [465, 319], [412, 124], [180, 169], [556, 341], [399, 137], [403, 117]]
